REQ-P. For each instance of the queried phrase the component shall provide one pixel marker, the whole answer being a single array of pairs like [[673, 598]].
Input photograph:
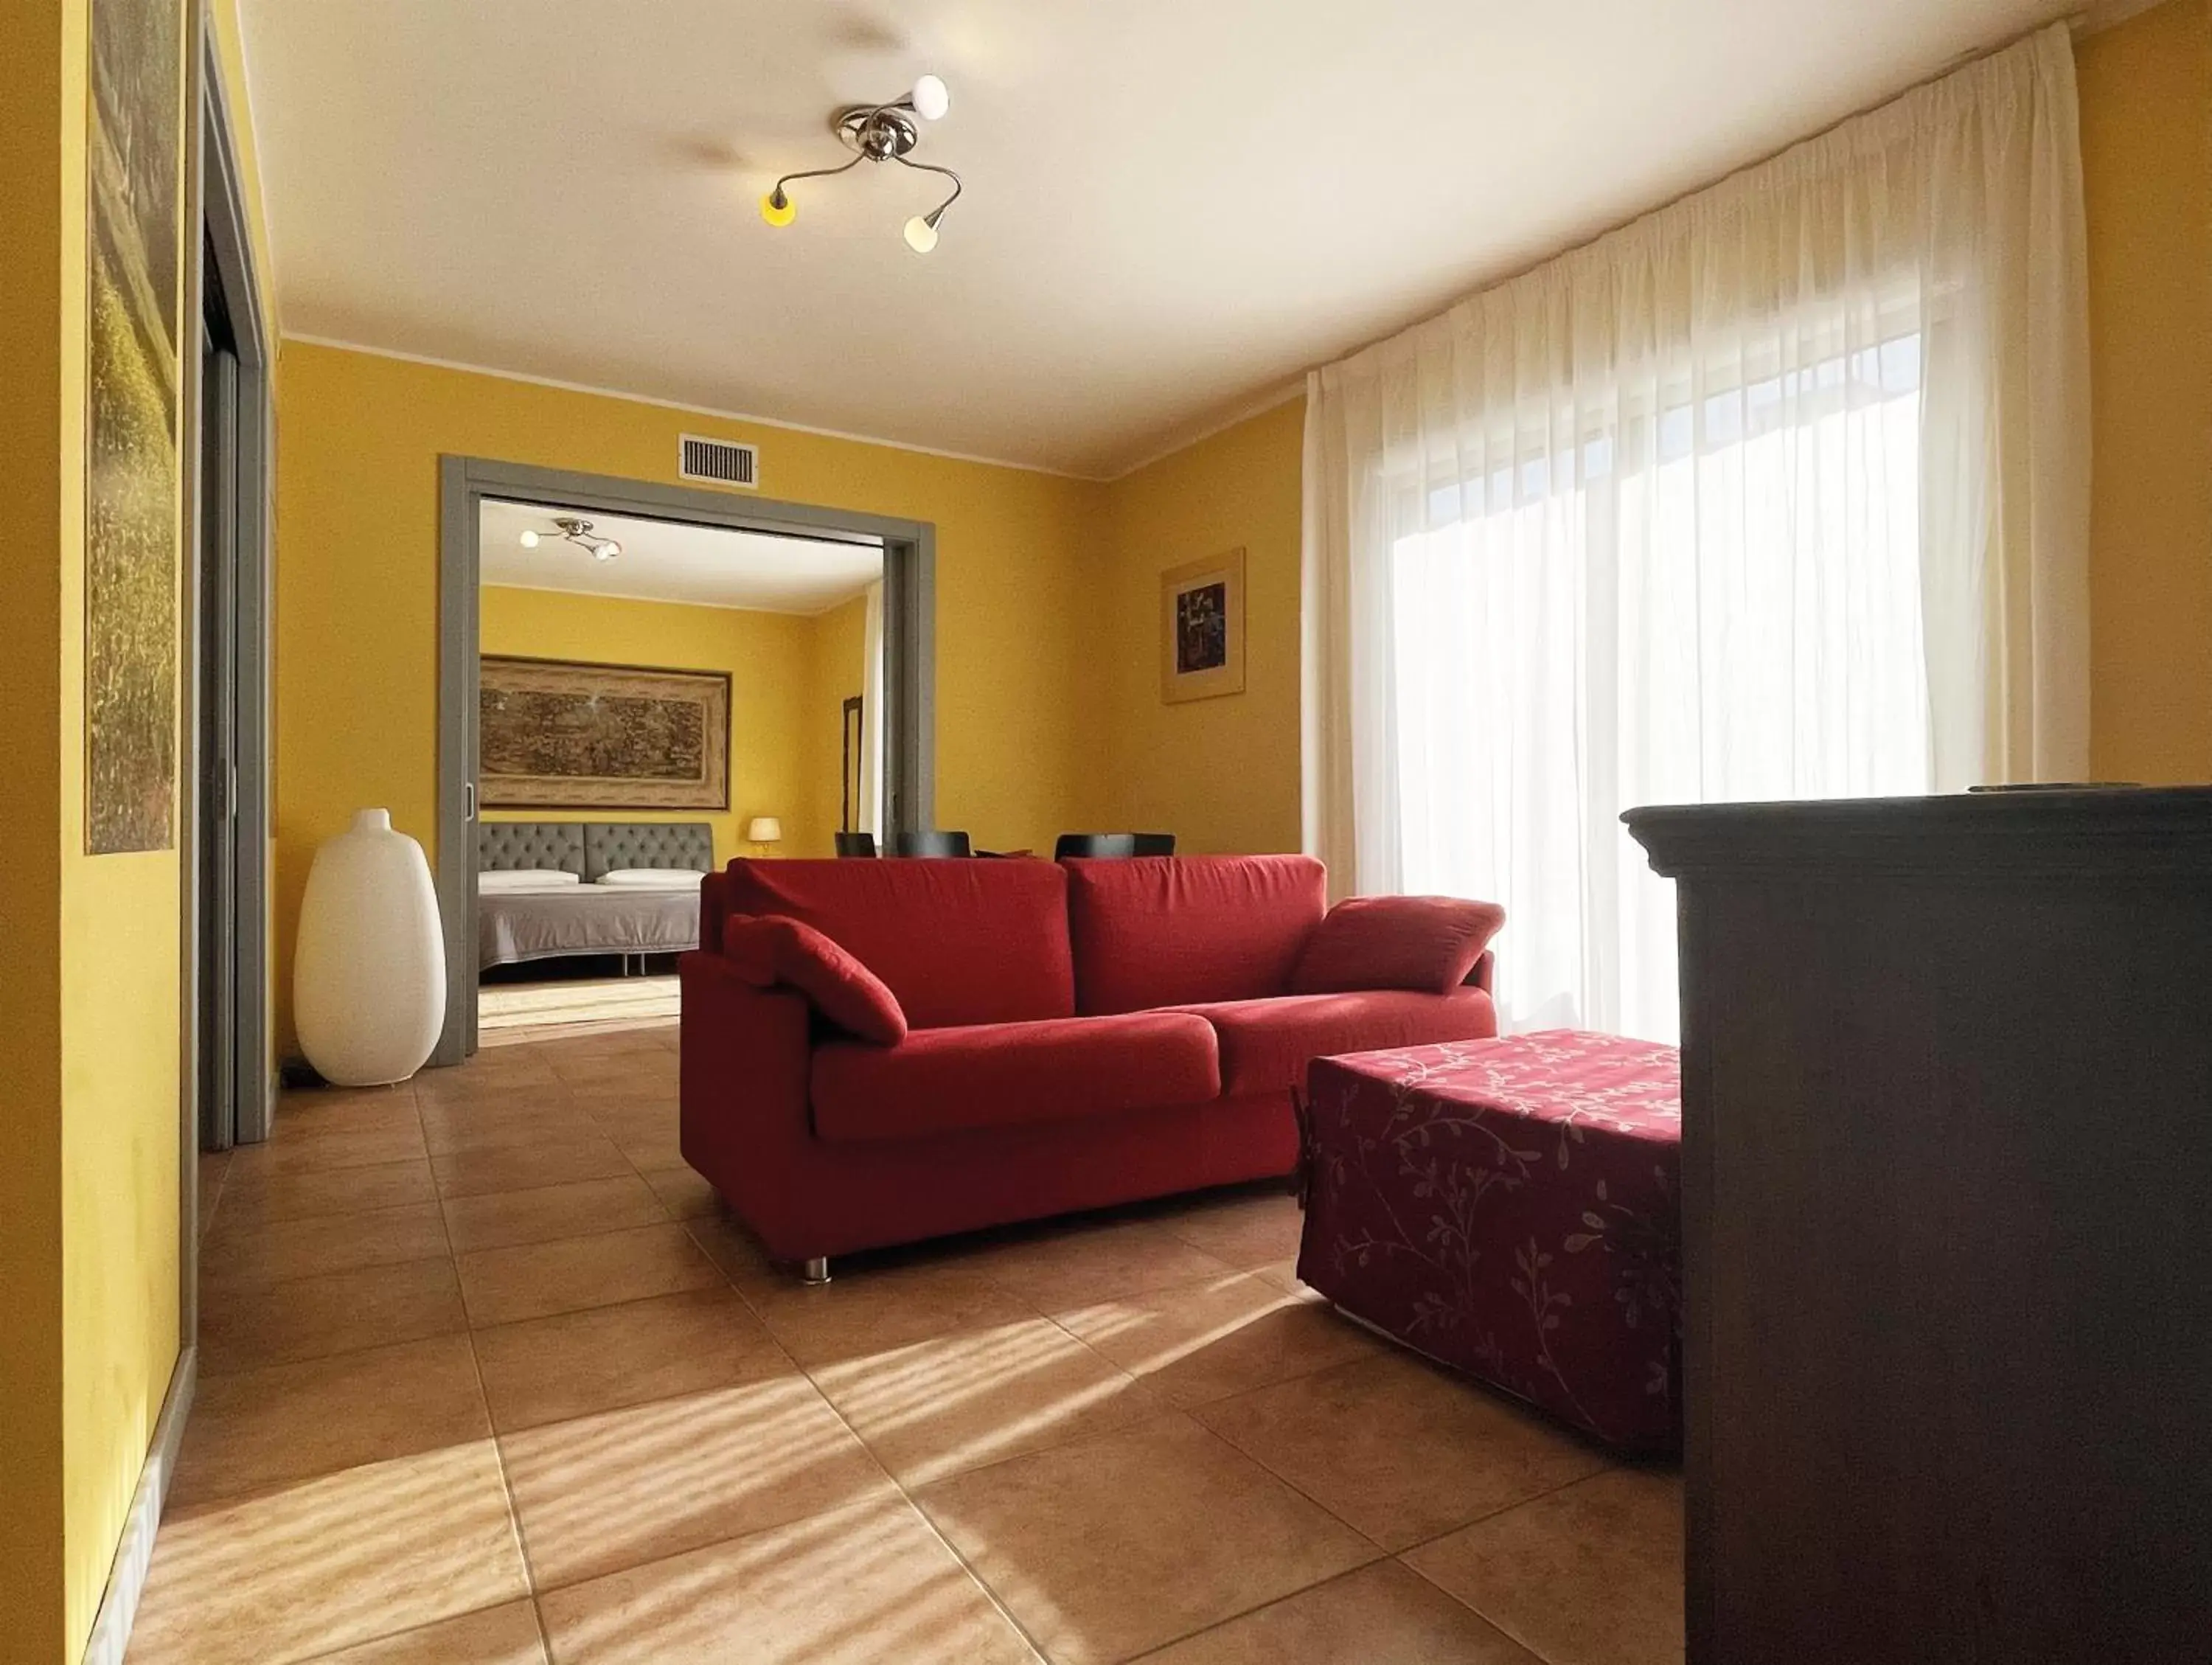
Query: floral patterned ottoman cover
[[1508, 1206]]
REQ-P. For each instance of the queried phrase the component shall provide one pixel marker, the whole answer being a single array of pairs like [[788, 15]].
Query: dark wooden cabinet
[[1947, 1176]]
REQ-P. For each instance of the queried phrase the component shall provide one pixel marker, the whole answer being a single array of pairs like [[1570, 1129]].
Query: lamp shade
[[764, 829]]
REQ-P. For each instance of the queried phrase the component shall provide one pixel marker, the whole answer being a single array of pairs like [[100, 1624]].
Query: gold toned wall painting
[[559, 734], [1202, 628], [133, 528]]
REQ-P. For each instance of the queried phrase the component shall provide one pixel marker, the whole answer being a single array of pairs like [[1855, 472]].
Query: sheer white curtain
[[1779, 492]]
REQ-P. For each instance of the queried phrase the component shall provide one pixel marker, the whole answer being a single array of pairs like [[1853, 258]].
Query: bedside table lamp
[[764, 829]]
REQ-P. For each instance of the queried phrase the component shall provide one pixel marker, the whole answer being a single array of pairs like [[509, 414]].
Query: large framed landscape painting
[[563, 734], [133, 523], [1202, 628]]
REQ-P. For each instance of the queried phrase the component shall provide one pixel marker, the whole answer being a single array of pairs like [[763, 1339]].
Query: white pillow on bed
[[651, 878], [527, 879]]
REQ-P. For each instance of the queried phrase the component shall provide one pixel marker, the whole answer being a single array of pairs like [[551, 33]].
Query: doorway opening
[[227, 905], [638, 683], [655, 697]]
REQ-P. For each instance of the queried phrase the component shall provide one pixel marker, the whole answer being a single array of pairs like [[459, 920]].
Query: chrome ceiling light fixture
[[574, 529], [880, 133]]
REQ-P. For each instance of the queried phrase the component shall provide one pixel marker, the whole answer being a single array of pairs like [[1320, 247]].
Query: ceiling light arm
[[777, 195], [937, 212], [814, 173]]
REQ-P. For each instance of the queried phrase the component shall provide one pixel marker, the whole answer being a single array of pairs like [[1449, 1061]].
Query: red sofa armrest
[[745, 1057], [1484, 974]]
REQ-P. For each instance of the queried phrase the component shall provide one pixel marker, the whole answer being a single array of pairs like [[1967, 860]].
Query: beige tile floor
[[488, 1377]]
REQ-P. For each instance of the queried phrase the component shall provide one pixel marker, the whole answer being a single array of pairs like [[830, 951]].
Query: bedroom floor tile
[[525, 1167], [1245, 1232], [1111, 1545], [1382, 1615], [285, 1249], [1199, 1342], [877, 1309], [1095, 1261], [253, 1197], [496, 1635], [535, 1280], [934, 1408], [548, 1369], [333, 1312], [867, 1585], [682, 1191], [1589, 1575], [613, 1490], [284, 1423], [503, 1219], [1398, 1448], [547, 1347], [289, 1574]]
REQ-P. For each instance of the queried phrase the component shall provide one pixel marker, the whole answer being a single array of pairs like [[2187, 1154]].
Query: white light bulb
[[529, 540], [931, 101], [920, 235], [607, 550]]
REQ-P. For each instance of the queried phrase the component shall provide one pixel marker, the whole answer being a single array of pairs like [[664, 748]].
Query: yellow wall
[[37, 170], [2146, 168], [838, 670], [89, 1054], [775, 747], [357, 588], [1222, 775]]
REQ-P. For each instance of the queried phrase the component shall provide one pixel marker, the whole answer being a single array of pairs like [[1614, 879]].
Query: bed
[[587, 887]]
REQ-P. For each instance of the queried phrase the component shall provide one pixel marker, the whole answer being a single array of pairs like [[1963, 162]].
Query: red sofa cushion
[[1425, 943], [993, 1075], [1266, 1045], [956, 942], [767, 950], [1174, 930]]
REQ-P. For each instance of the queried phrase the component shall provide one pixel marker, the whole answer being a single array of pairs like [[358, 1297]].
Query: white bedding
[[651, 878]]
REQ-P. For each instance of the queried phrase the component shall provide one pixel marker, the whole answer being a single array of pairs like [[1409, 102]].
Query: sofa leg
[[815, 1271]]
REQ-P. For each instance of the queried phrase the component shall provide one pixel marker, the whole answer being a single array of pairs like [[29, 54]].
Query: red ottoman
[[1509, 1207]]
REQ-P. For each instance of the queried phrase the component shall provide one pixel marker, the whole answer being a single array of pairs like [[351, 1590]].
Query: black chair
[[931, 843], [856, 844], [1094, 845], [1154, 843]]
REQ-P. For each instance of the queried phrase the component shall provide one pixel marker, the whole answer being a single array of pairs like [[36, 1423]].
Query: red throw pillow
[[1425, 943], [769, 949]]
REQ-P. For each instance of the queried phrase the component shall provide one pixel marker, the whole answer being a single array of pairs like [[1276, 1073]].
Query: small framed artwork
[[1202, 628]]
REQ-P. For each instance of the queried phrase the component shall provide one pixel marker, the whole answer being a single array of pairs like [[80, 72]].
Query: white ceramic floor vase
[[368, 980]]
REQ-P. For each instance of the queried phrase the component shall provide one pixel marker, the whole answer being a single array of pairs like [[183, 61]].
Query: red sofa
[[1082, 1033]]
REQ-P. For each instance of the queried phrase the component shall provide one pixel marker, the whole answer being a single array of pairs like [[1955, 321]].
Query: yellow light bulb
[[778, 209]]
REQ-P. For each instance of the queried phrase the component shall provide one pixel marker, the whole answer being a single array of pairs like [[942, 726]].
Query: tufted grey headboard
[[505, 846], [611, 846]]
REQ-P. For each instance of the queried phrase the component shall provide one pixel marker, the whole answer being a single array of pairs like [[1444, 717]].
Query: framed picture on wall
[[564, 734], [1202, 628], [133, 532]]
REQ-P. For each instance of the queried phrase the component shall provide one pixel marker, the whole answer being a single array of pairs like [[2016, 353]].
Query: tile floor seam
[[1073, 1438], [1229, 1619], [1610, 1467], [1193, 1405], [930, 1520], [1382, 1551], [507, 1490]]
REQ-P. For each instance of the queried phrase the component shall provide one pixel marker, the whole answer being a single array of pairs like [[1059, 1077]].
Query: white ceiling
[[1174, 207], [662, 561]]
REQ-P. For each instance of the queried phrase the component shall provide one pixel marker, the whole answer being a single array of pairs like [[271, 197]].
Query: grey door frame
[[465, 483], [241, 793]]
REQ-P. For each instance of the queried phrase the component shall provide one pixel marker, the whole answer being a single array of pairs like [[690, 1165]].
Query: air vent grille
[[719, 462]]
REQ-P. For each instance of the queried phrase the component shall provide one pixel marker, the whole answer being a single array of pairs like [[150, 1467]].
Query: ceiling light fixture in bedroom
[[880, 133], [577, 531]]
